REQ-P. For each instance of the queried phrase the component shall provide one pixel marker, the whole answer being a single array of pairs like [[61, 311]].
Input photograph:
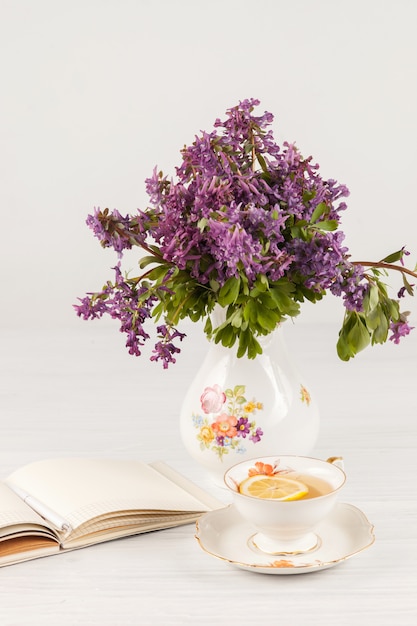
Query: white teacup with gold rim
[[284, 497]]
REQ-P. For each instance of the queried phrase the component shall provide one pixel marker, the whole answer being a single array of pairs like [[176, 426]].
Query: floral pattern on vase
[[231, 425], [237, 409]]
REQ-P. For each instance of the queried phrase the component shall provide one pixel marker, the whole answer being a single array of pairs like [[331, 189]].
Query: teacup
[[286, 525]]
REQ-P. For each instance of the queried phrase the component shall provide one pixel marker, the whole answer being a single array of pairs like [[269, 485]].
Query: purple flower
[[256, 437], [115, 231], [245, 223], [243, 427], [399, 329], [404, 253], [164, 350], [404, 290], [121, 300]]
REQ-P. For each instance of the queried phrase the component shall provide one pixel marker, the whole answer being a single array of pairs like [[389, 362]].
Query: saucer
[[224, 534]]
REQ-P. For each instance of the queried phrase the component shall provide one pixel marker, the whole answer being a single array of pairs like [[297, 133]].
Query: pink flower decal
[[228, 424], [212, 399]]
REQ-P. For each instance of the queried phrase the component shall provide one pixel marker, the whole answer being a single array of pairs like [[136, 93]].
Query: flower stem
[[386, 266]]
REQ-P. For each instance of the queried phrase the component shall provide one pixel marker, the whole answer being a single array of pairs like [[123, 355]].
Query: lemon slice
[[273, 488]]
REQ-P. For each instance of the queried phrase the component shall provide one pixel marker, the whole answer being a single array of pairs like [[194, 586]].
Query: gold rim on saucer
[[225, 535]]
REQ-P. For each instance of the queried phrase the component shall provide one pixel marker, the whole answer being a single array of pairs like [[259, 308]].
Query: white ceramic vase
[[239, 408]]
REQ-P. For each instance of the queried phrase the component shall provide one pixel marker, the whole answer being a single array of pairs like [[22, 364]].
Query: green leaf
[[354, 336], [284, 302], [236, 318], [262, 162], [158, 310], [267, 300], [202, 223], [208, 327], [261, 278], [248, 147], [344, 352], [224, 335], [308, 195], [266, 247], [391, 308], [267, 319], [158, 272], [244, 340], [358, 337], [239, 390], [227, 336], [147, 260], [321, 209], [244, 285], [409, 289], [371, 299], [373, 318], [298, 230], [229, 292], [395, 256], [215, 286], [380, 334], [260, 286], [327, 225], [250, 311], [254, 347]]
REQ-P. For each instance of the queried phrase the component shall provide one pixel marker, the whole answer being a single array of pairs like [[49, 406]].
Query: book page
[[13, 511], [202, 496], [23, 533], [81, 489], [115, 527]]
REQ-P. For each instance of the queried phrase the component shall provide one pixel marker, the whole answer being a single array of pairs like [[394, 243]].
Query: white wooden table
[[76, 391]]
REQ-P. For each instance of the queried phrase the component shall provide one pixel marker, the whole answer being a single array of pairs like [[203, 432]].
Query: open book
[[56, 505]]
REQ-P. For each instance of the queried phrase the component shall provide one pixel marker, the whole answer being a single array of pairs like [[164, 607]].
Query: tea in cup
[[284, 497]]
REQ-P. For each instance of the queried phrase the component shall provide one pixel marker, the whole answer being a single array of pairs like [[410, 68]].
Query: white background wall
[[94, 93]]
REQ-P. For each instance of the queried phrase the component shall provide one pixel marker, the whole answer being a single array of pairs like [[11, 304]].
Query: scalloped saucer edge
[[224, 534]]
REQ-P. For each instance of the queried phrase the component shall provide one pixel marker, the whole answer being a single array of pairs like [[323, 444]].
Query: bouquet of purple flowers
[[250, 227]]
